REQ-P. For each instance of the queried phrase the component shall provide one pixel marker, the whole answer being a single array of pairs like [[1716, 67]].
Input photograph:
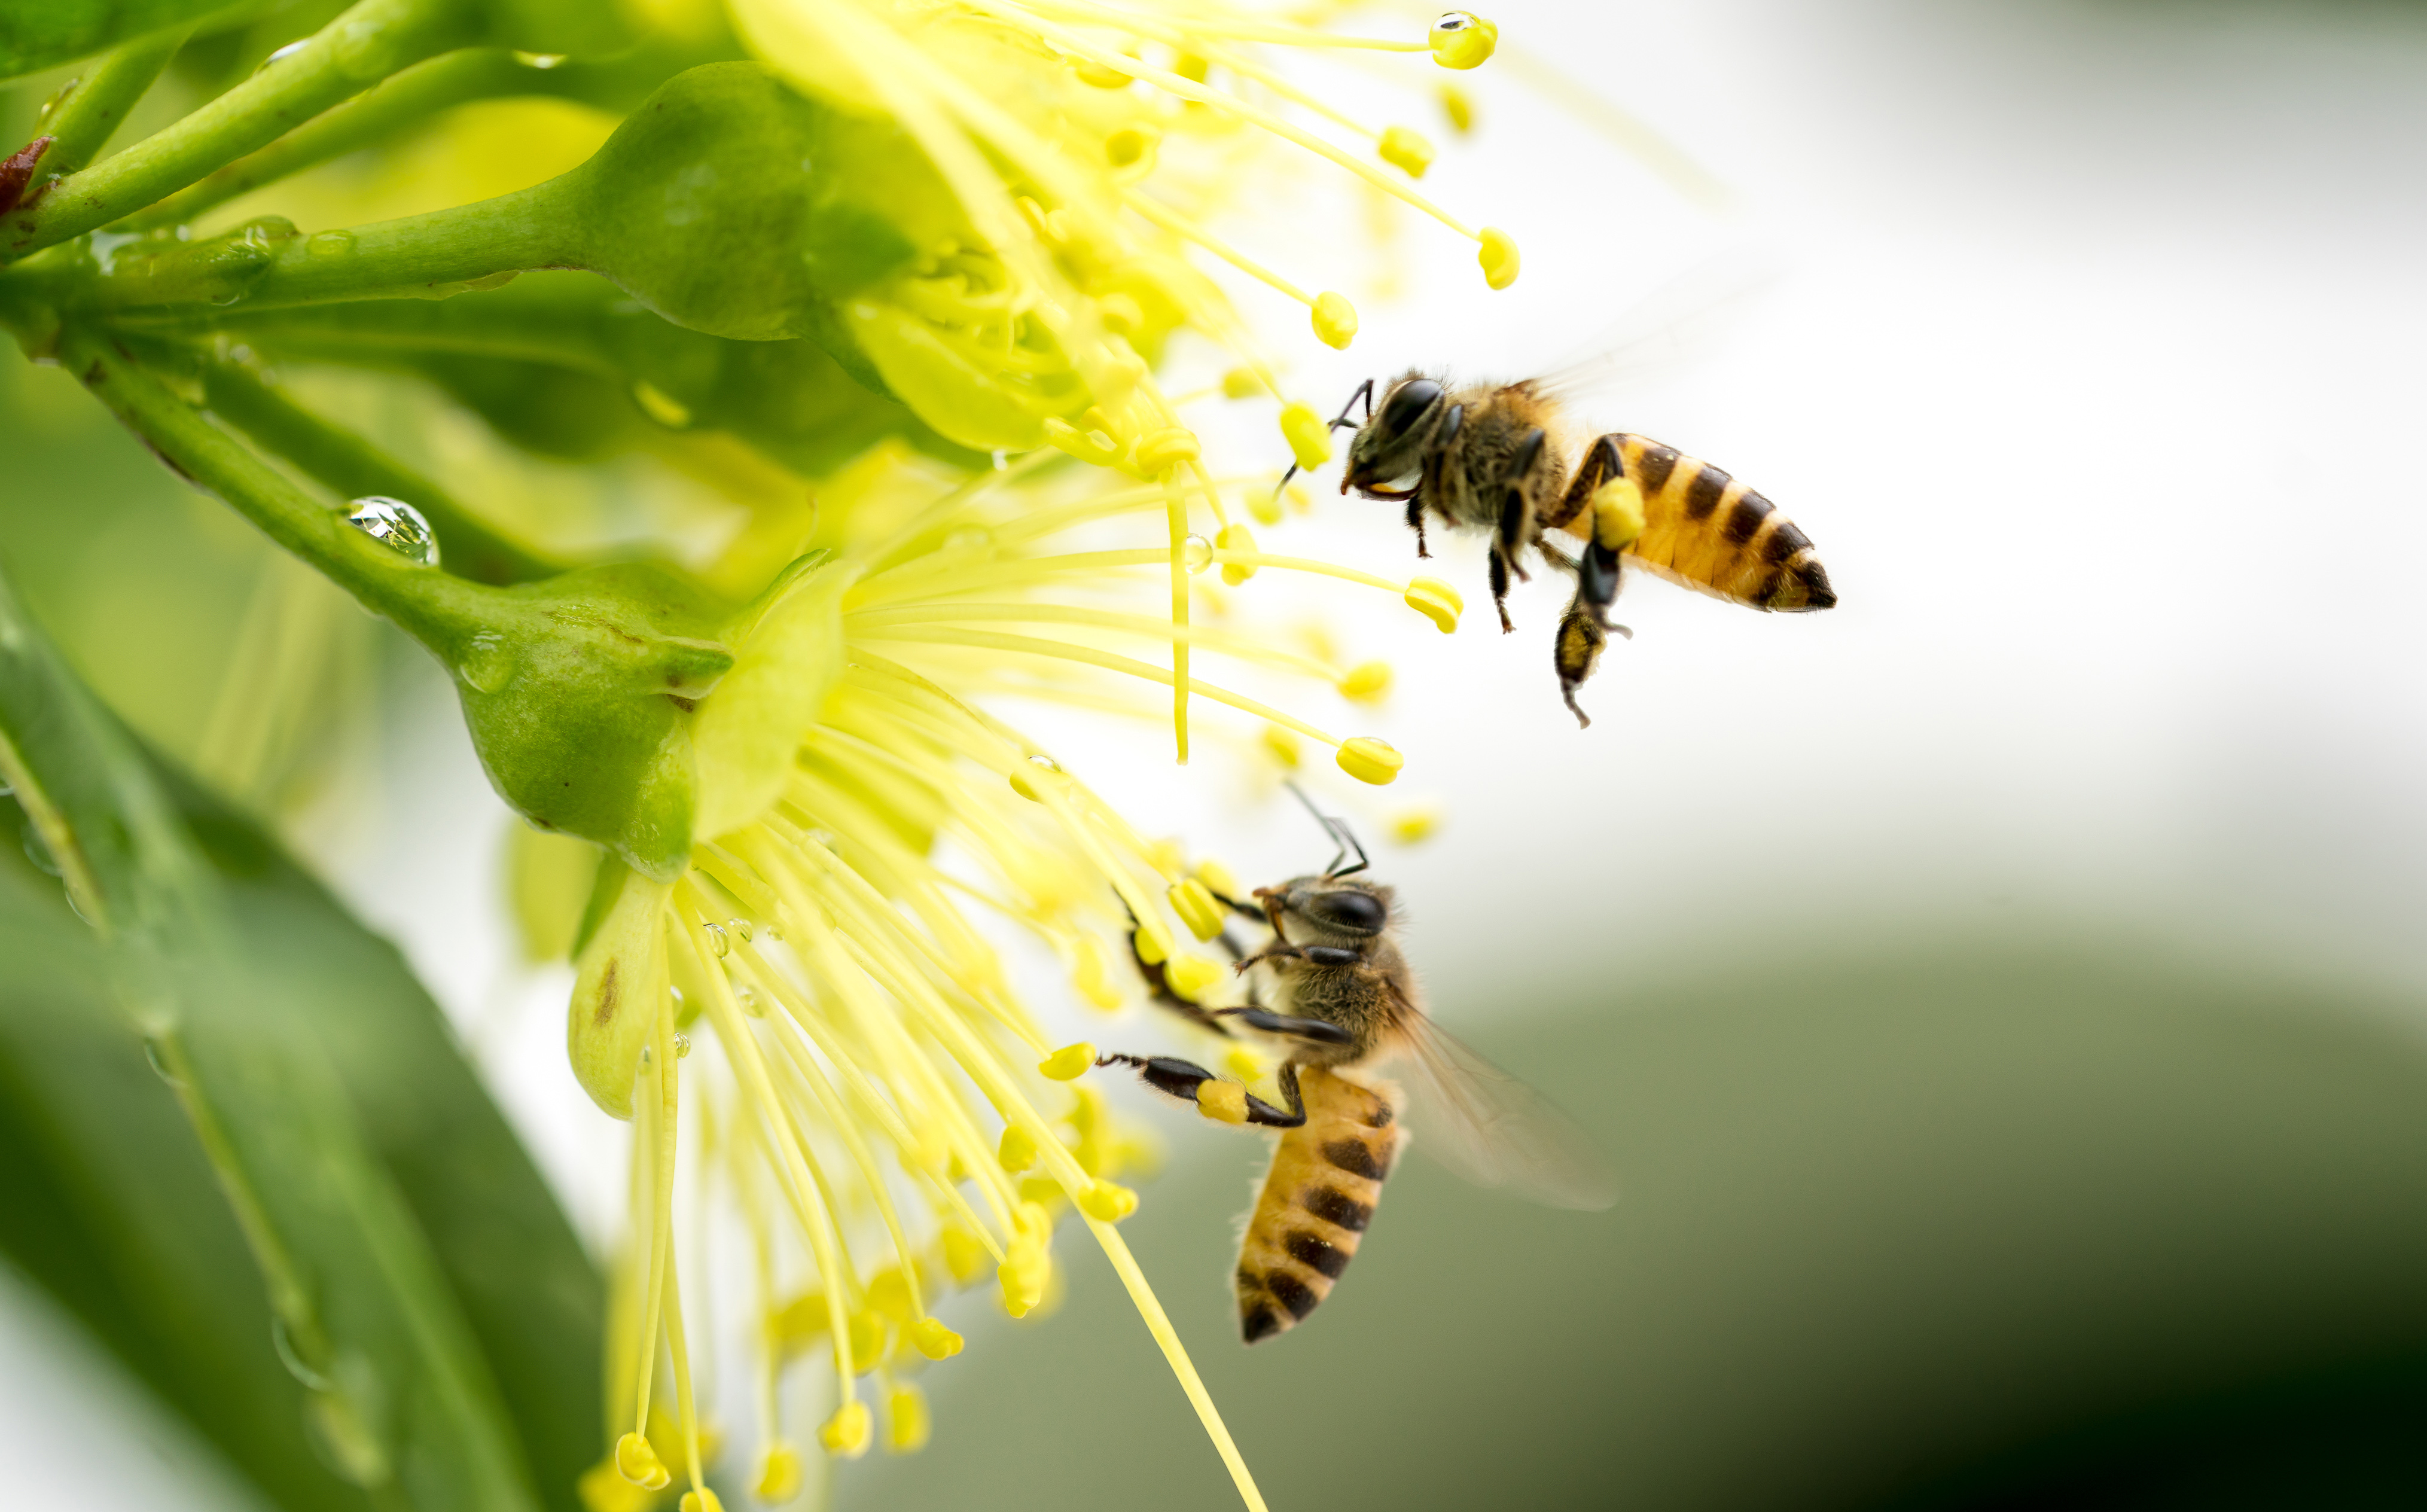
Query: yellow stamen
[[1368, 760], [1197, 909], [1126, 1267], [1069, 1062], [1407, 150]]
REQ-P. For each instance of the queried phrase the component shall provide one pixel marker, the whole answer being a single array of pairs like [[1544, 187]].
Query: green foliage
[[39, 34], [385, 1291]]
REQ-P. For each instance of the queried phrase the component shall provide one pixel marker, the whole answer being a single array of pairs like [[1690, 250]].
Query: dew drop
[[775, 934], [747, 996], [38, 850], [682, 1045], [740, 927], [1044, 762], [397, 526], [7, 788], [716, 940], [487, 666], [283, 1341], [152, 1052], [676, 993], [330, 244], [970, 538], [1197, 553], [289, 51], [1456, 21], [540, 60]]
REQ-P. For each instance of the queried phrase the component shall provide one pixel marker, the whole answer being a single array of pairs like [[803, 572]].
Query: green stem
[[352, 468], [409, 99], [268, 265], [441, 612], [369, 42], [96, 106]]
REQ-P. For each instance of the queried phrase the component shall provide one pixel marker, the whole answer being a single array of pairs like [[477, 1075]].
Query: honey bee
[[1507, 460], [1344, 997]]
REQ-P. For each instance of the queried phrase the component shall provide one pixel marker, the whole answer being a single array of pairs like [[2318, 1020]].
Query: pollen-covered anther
[[1498, 256], [1069, 1062], [1236, 538], [906, 1420], [1436, 601], [1193, 976], [1016, 1150], [1161, 449], [929, 1337], [1108, 1201], [1335, 321], [779, 1474], [1367, 682], [846, 1432], [1310, 439], [638, 1463], [1130, 145], [1617, 512], [702, 1499], [1153, 943], [1195, 905], [1218, 879], [1225, 1102], [1368, 760], [1241, 384], [1406, 150], [1462, 39]]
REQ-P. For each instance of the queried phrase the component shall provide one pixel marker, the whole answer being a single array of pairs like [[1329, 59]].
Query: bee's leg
[[1500, 588], [1280, 950], [1416, 520], [1158, 987], [1577, 652], [1313, 1030], [1176, 1078], [1602, 462]]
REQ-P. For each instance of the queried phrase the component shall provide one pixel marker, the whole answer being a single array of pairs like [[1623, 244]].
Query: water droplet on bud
[[152, 1053], [1197, 553], [38, 852], [682, 1045], [716, 941], [486, 666], [740, 927], [397, 526], [330, 244]]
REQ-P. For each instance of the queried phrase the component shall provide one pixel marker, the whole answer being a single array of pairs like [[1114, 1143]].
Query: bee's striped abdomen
[[1326, 1177], [1707, 530]]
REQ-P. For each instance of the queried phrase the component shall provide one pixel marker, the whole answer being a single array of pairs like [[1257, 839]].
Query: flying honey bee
[[1344, 997], [1508, 460]]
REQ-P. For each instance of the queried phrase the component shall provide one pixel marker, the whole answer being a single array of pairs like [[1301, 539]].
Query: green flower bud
[[728, 203]]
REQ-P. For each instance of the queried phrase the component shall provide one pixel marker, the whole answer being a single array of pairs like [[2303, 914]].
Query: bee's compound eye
[[1348, 908], [1408, 404]]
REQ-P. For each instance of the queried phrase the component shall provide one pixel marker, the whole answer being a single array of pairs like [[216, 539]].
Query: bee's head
[[1388, 453], [1346, 907]]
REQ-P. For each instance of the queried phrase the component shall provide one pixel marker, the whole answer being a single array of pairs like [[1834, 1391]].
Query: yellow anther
[[638, 1463], [1153, 943], [965, 1255], [1225, 1102], [1459, 109], [660, 406], [1310, 439], [1464, 39], [1121, 315], [702, 1499], [1418, 824], [1617, 512], [1092, 973], [1498, 257], [1192, 976], [1282, 744], [603, 1489], [1217, 880], [1366, 682], [1016, 1150], [1130, 144], [1108, 1201], [867, 1339], [1264, 505], [1101, 75], [779, 1474], [1403, 149], [1042, 1191], [1196, 908], [1436, 601], [1368, 760], [1166, 449], [1069, 1062], [846, 1432], [1241, 384], [1022, 1276], [906, 1420], [932, 1339], [1094, 447], [1335, 321], [797, 1322], [1236, 537], [889, 1293]]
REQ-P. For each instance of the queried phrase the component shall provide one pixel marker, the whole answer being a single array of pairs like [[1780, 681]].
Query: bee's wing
[[1665, 331], [1492, 1129]]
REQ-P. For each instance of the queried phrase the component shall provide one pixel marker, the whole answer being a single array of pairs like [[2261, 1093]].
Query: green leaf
[[38, 34], [439, 1322]]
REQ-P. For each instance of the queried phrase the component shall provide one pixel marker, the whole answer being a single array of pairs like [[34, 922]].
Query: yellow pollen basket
[[1368, 760], [1617, 512], [1225, 1102]]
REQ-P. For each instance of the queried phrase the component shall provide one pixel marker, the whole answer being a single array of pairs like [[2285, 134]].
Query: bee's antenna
[[1337, 829], [1365, 391]]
